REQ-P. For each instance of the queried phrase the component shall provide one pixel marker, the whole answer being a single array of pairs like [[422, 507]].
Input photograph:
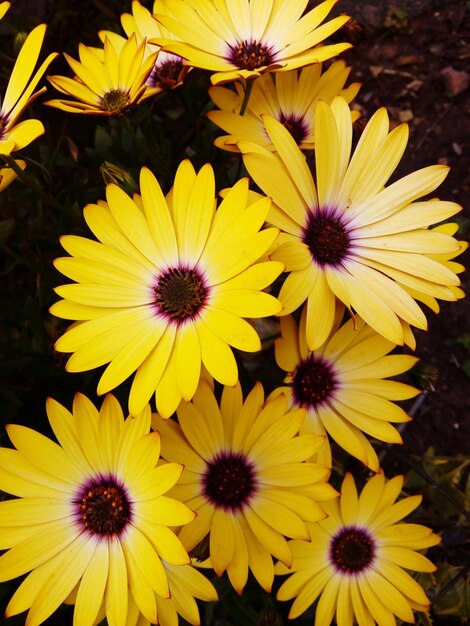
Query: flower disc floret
[[103, 507], [180, 294], [313, 382], [250, 55], [327, 238], [229, 481], [352, 550]]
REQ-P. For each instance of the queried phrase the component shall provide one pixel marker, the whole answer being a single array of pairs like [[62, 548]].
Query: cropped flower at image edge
[[90, 514]]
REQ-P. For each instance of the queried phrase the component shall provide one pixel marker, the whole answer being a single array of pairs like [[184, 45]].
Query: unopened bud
[[18, 42], [119, 176]]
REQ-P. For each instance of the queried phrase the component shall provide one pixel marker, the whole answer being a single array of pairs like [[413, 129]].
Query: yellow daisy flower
[[245, 477], [245, 38], [290, 97], [7, 175], [4, 6], [357, 559], [106, 82], [20, 93], [84, 510], [342, 385], [349, 237], [167, 287]]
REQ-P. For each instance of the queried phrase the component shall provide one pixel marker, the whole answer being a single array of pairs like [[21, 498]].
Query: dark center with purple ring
[[167, 74], [229, 480], [180, 294], [326, 238], [352, 550], [296, 126], [313, 382], [250, 55], [103, 507]]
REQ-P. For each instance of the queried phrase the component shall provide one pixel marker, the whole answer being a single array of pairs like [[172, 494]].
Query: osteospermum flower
[[245, 38], [20, 93], [107, 82], [348, 237], [290, 97], [356, 561], [342, 385], [168, 286], [89, 512], [245, 478]]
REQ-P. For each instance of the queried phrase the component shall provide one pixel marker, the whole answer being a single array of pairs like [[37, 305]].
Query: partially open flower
[[106, 82], [290, 97], [169, 70]]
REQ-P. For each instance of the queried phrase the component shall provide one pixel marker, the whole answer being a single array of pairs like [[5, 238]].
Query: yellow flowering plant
[[218, 277]]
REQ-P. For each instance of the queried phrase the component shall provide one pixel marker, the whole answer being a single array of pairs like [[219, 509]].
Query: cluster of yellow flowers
[[107, 518]]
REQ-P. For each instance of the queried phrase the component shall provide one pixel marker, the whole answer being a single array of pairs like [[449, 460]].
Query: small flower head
[[106, 82], [343, 385], [290, 97], [355, 563]]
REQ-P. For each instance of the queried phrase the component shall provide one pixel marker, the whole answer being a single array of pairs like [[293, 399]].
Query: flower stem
[[246, 96]]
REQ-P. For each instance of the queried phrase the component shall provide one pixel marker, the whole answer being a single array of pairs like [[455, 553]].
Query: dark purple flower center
[[250, 55], [326, 238], [167, 74], [352, 550], [296, 126], [229, 480], [180, 294], [313, 382], [103, 507]]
